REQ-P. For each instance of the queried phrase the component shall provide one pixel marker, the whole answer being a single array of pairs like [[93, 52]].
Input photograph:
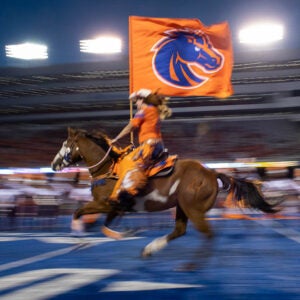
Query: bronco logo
[[179, 56]]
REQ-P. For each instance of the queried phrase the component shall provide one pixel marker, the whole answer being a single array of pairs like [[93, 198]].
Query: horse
[[191, 188], [178, 55]]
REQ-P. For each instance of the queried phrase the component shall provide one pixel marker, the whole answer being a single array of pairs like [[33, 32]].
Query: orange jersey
[[148, 122]]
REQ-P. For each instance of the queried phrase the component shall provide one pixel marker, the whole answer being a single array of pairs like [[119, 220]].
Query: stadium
[[252, 134]]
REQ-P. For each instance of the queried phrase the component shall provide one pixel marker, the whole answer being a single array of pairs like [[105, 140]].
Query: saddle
[[163, 166]]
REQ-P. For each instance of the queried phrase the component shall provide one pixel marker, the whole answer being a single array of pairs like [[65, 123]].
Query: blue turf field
[[248, 259]]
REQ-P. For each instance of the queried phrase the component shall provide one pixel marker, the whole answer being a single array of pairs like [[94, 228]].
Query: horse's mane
[[102, 140]]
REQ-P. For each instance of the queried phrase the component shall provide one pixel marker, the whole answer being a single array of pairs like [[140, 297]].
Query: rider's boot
[[125, 202]]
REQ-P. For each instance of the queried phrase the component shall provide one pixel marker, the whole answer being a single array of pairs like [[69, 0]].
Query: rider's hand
[[132, 146], [113, 141]]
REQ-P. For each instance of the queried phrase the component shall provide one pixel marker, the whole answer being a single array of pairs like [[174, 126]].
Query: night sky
[[60, 24]]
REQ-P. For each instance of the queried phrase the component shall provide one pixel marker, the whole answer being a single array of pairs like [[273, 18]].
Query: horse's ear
[[71, 131], [156, 92]]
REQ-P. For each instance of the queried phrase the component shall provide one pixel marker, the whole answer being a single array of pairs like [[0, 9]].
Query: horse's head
[[69, 151], [93, 148], [179, 51]]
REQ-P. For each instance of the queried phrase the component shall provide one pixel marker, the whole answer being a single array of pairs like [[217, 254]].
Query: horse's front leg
[[105, 228], [162, 242], [117, 235], [77, 225]]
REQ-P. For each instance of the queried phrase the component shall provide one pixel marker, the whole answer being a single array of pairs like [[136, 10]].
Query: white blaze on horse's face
[[59, 161]]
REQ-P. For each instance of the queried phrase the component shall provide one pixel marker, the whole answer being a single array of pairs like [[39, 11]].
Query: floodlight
[[27, 51], [261, 33], [101, 45]]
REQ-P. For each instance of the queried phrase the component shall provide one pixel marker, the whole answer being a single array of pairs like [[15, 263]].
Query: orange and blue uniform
[[133, 168], [148, 122]]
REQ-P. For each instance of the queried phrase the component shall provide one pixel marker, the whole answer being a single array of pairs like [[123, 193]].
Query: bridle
[[66, 155]]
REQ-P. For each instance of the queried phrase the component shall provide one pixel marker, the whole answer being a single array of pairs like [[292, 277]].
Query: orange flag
[[180, 57]]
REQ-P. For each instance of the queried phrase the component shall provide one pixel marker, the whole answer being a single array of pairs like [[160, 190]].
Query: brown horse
[[191, 188]]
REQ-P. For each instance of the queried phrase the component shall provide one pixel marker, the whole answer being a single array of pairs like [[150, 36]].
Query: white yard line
[[36, 258], [289, 233], [81, 243], [47, 283], [128, 286]]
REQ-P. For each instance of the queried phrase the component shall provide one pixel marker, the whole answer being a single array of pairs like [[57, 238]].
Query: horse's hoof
[[111, 233], [155, 246], [145, 253], [77, 226]]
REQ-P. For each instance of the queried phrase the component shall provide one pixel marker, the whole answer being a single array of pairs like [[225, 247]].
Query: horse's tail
[[246, 191]]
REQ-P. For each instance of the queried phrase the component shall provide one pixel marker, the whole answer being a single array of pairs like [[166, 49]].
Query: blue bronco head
[[179, 54]]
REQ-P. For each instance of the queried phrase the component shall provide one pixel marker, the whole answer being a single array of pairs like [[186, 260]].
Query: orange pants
[[133, 168]]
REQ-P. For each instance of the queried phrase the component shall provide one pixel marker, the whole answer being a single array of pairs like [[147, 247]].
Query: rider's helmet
[[156, 99], [140, 94]]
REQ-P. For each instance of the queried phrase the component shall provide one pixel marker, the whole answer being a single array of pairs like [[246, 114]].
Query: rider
[[151, 108]]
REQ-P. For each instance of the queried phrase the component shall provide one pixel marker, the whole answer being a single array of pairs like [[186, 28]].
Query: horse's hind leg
[[179, 230], [180, 225], [200, 223], [201, 255]]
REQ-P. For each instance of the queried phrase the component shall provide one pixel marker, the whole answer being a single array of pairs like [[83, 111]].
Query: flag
[[180, 57]]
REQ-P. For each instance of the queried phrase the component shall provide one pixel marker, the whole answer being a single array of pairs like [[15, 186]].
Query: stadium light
[[261, 33], [101, 45], [27, 51]]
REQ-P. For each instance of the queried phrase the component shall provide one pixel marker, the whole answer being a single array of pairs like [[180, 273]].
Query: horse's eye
[[197, 49]]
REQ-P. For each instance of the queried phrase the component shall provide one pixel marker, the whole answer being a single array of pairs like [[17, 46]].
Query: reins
[[74, 142], [102, 160]]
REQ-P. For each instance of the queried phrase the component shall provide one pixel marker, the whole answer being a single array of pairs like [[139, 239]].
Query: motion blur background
[[254, 132]]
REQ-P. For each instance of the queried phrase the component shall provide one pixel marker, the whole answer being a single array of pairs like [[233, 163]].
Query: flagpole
[[130, 116], [130, 79]]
